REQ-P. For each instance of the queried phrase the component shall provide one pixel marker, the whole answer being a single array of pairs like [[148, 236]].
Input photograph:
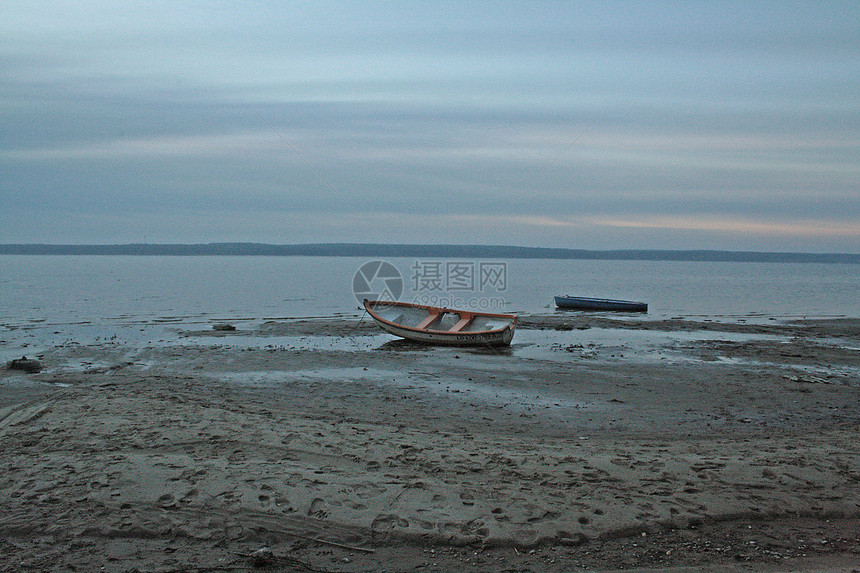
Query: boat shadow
[[403, 345]]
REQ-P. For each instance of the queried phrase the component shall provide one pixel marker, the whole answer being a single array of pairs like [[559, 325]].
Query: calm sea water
[[63, 290]]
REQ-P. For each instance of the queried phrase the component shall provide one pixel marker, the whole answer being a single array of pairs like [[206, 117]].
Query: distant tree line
[[425, 251]]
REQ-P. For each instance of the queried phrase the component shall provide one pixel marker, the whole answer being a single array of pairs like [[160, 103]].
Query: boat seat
[[461, 324], [430, 319]]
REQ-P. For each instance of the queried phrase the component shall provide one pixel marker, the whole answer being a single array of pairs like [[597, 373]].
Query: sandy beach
[[592, 444]]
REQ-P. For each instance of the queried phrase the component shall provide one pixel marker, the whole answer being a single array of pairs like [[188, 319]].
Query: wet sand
[[593, 443]]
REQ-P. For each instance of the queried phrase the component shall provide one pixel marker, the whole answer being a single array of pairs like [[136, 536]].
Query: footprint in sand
[[568, 538], [166, 501], [353, 505], [476, 527], [425, 524], [438, 501], [191, 475], [229, 499], [387, 522], [368, 490], [318, 509], [190, 495], [546, 516], [284, 503]]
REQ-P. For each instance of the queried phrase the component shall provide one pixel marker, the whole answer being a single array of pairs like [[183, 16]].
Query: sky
[[730, 125]]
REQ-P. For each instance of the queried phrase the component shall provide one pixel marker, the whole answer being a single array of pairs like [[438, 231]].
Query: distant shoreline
[[410, 250]]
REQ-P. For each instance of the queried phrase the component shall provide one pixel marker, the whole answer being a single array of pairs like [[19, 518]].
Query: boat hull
[[501, 338], [605, 304], [455, 335]]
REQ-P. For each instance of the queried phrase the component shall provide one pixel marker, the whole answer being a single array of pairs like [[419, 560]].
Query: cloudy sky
[[598, 125]]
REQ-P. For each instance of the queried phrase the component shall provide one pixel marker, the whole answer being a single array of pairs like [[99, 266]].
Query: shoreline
[[569, 448]]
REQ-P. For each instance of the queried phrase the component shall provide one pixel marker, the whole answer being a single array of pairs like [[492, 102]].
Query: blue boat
[[587, 303]]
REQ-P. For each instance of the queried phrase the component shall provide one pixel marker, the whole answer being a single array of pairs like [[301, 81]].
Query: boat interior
[[453, 321]]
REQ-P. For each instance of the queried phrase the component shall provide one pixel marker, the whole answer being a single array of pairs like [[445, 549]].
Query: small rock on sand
[[26, 364]]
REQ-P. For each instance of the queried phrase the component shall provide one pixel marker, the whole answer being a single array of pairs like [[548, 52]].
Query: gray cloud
[[605, 125]]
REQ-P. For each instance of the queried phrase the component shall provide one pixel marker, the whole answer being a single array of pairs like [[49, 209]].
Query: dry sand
[[592, 444]]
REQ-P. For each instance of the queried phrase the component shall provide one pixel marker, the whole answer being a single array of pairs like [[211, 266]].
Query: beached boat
[[586, 303], [435, 325]]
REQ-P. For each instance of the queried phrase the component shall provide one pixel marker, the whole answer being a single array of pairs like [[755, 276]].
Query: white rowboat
[[437, 325]]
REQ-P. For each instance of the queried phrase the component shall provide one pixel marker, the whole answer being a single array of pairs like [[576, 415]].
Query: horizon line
[[237, 248]]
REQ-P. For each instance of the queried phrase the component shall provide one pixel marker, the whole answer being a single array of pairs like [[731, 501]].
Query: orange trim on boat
[[464, 321], [428, 321]]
